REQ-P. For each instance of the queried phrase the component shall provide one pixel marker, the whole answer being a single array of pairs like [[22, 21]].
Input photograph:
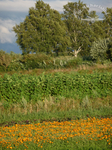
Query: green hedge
[[13, 88]]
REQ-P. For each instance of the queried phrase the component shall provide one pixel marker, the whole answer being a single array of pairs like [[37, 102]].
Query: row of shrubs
[[101, 50], [17, 62]]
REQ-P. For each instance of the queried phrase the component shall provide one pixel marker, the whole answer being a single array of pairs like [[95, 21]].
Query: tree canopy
[[42, 30], [73, 12], [46, 30], [82, 33], [108, 22]]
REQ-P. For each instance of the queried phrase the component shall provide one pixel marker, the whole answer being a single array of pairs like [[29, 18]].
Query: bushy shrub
[[32, 61], [87, 58], [5, 60], [15, 56], [2, 68], [10, 61], [74, 62], [16, 66], [99, 49]]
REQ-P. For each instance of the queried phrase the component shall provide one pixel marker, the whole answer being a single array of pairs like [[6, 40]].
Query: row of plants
[[74, 85]]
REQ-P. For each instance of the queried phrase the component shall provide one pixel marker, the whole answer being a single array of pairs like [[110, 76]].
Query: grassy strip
[[54, 108], [80, 69]]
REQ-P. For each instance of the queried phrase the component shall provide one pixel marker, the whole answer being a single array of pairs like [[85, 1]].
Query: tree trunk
[[76, 52]]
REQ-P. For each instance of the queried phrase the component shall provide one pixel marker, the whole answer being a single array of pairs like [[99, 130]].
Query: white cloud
[[57, 5], [16, 5], [24, 5], [6, 33], [7, 38], [4, 30], [108, 5]]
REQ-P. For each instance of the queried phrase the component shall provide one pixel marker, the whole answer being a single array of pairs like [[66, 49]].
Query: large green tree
[[73, 13], [82, 33], [42, 30]]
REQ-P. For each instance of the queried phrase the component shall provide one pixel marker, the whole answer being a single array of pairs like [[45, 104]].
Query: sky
[[13, 12]]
